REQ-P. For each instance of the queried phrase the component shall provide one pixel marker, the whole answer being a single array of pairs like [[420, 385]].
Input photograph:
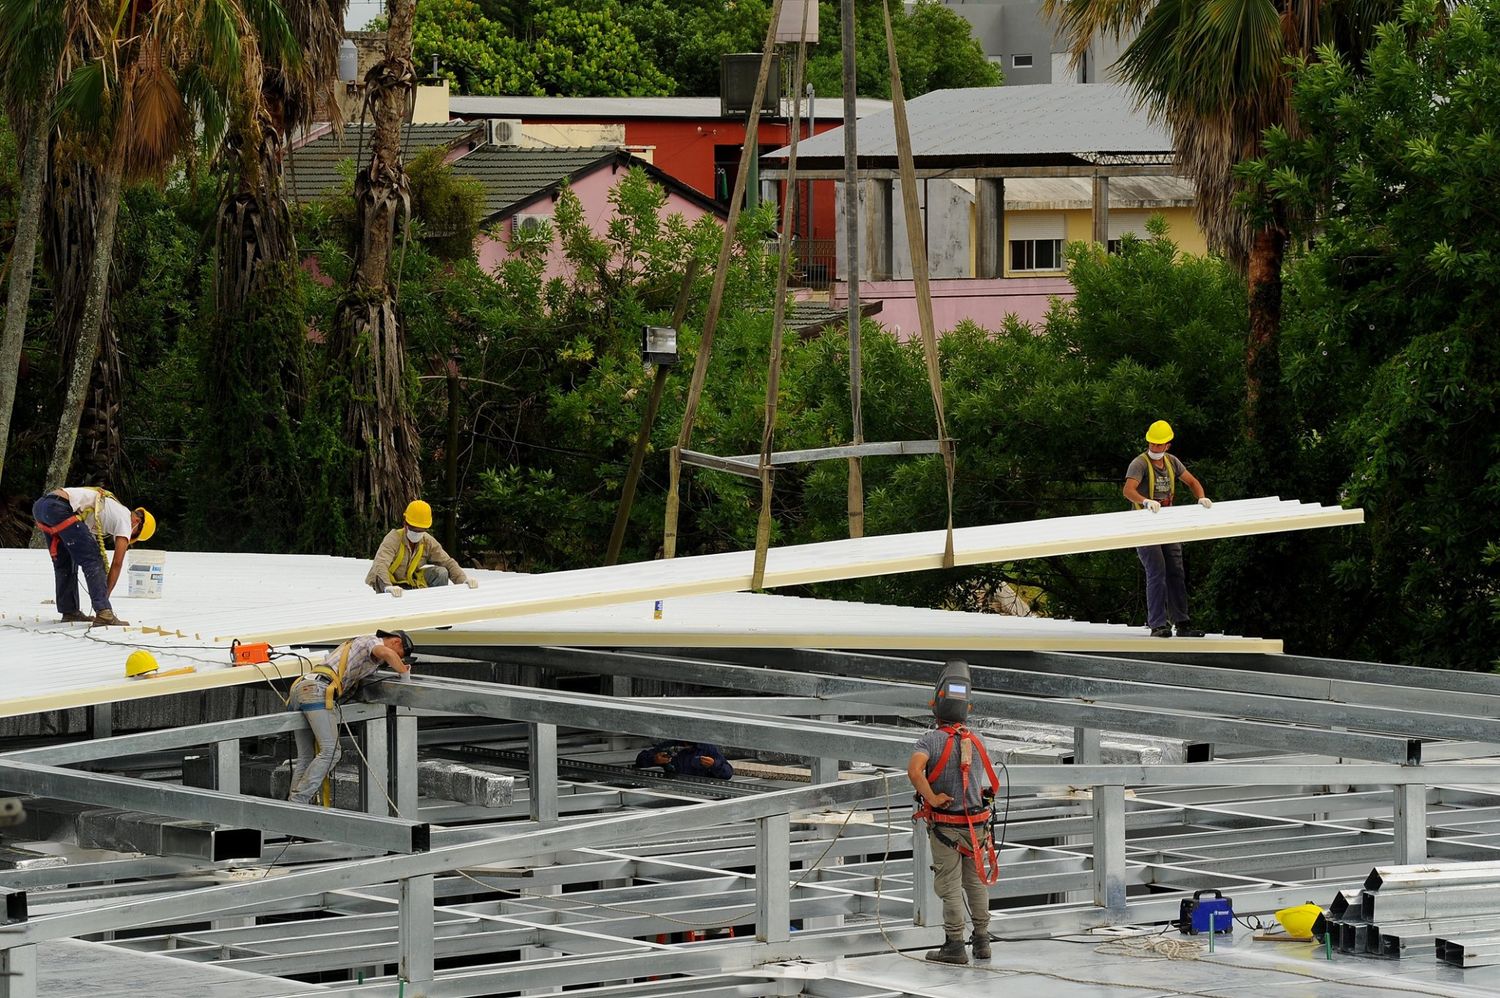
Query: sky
[[361, 12]]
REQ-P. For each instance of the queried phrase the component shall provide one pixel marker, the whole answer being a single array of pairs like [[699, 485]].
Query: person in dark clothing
[[686, 758]]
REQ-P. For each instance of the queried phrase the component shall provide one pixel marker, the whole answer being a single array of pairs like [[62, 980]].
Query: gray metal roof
[[1046, 123], [621, 108], [513, 175], [315, 165], [1028, 193]]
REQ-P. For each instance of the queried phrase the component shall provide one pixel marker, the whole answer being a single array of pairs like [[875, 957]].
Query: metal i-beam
[[1069, 713], [388, 834], [1450, 680]]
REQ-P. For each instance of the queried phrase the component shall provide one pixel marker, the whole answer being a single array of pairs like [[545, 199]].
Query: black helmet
[[950, 698], [406, 643]]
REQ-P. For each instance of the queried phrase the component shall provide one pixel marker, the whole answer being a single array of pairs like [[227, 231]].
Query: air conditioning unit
[[503, 131], [738, 74], [529, 222]]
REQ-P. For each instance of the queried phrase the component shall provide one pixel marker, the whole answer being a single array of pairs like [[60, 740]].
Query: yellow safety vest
[[1151, 478], [415, 577], [335, 676]]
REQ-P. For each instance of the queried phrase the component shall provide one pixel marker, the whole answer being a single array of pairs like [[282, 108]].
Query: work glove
[[1206, 503], [1152, 505], [393, 590], [473, 583]]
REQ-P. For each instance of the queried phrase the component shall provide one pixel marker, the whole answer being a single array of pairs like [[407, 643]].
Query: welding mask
[[951, 697]]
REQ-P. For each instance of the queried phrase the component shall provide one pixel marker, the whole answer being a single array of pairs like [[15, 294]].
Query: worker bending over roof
[[83, 527], [687, 758], [411, 558], [1166, 582]]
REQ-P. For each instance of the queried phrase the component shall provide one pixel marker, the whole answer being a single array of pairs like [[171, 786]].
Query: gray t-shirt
[[1137, 471], [362, 663], [950, 780]]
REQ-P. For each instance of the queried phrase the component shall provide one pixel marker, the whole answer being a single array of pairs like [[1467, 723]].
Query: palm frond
[[31, 39], [1082, 21], [157, 123], [85, 97], [274, 34]]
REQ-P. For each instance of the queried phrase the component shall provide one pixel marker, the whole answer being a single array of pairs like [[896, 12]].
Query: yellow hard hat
[[419, 514], [1160, 432], [1298, 921], [139, 663], [148, 525]]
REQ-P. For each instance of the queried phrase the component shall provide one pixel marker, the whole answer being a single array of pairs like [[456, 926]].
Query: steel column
[[541, 769], [18, 972], [416, 921], [102, 720], [375, 774], [823, 769], [1109, 847], [773, 868], [227, 766], [1086, 751], [1410, 803], [926, 909], [403, 755]]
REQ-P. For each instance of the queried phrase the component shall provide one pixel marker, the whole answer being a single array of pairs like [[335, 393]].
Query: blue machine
[[1195, 914]]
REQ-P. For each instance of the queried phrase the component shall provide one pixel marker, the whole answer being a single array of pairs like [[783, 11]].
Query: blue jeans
[[1166, 585], [78, 547], [317, 744]]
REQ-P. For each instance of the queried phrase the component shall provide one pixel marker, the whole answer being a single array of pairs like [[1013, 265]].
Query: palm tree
[[28, 51], [1218, 73], [137, 78], [367, 343]]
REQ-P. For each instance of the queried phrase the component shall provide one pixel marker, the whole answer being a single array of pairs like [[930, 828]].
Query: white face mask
[[1155, 455], [414, 535]]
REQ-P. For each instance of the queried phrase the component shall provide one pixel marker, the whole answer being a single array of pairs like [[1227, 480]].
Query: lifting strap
[[985, 857], [916, 240], [716, 296], [778, 321]]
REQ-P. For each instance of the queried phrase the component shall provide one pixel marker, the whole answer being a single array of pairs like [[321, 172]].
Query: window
[[1036, 241], [1020, 62], [1036, 254], [1126, 223]]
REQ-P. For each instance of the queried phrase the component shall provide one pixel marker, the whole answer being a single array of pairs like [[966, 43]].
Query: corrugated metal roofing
[[270, 611], [315, 165], [620, 108], [1080, 120], [511, 174]]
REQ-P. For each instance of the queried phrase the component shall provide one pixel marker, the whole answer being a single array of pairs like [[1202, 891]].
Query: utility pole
[[851, 257]]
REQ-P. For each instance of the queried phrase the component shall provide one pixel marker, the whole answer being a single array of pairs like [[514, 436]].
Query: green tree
[[1392, 360], [936, 48], [1217, 74]]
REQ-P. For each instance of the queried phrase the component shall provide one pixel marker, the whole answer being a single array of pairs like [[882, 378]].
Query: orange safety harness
[[984, 856], [54, 532]]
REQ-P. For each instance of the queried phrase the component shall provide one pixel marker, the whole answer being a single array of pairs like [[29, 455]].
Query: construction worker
[[1166, 583], [318, 694], [76, 523], [411, 558], [687, 758], [956, 804]]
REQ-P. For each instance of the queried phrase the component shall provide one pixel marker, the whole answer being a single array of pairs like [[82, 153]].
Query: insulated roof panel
[[272, 612]]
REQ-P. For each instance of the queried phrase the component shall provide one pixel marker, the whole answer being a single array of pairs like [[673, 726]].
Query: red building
[[686, 137]]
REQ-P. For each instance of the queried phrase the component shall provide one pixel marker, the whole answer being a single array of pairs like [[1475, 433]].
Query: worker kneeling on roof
[[411, 558], [84, 527], [955, 799], [318, 694], [1166, 582]]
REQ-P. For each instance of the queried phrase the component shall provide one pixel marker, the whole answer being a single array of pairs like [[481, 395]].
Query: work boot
[[107, 618], [77, 618], [1164, 631], [952, 951], [981, 943], [1185, 629]]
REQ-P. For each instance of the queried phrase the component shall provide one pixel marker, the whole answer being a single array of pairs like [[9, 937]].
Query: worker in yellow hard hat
[[1166, 583], [84, 527], [411, 558]]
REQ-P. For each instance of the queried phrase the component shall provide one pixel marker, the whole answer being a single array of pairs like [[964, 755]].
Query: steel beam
[[104, 789]]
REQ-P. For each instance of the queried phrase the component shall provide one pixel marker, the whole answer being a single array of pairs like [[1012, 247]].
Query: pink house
[[522, 185]]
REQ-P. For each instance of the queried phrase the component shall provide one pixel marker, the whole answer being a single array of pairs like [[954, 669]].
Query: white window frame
[[1016, 63], [1025, 233]]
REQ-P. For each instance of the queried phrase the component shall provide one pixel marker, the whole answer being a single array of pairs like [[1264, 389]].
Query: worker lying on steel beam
[[1166, 583], [76, 522], [318, 694], [687, 758], [411, 558]]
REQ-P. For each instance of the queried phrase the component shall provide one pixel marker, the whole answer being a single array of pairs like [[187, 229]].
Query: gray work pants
[[1166, 584], [954, 876], [317, 743]]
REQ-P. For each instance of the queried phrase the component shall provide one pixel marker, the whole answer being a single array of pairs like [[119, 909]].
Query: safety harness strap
[[54, 533], [984, 855], [415, 578], [1151, 478], [335, 677]]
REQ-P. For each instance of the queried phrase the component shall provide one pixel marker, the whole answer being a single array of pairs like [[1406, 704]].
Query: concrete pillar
[[1109, 847], [1101, 209], [18, 972], [415, 931], [773, 878], [1411, 823], [989, 227], [402, 733], [375, 778], [880, 230], [227, 766], [541, 743]]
